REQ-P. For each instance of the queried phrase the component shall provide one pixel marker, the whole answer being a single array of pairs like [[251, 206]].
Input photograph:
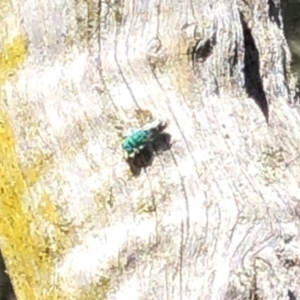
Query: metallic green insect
[[139, 138]]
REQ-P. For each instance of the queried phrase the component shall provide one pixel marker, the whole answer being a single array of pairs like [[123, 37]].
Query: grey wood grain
[[213, 212]]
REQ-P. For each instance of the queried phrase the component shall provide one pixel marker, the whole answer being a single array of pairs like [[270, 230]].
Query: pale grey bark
[[218, 213]]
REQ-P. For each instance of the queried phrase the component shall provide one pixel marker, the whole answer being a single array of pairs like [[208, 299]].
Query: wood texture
[[214, 217]]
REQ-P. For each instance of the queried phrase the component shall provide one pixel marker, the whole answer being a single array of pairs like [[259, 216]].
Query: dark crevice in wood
[[284, 64], [293, 96], [274, 12], [295, 99], [290, 22], [233, 60], [291, 295], [6, 288], [202, 49], [253, 81]]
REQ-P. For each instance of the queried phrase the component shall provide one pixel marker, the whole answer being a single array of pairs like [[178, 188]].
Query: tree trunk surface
[[216, 215]]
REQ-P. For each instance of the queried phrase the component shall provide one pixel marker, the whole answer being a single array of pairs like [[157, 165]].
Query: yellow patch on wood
[[181, 66], [98, 290], [23, 249], [29, 254], [12, 56], [5, 7], [32, 177], [48, 210]]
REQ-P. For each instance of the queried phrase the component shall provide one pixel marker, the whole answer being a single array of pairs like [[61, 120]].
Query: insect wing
[[152, 125], [155, 127]]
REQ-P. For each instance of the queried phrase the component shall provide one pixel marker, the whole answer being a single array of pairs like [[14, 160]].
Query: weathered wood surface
[[214, 217]]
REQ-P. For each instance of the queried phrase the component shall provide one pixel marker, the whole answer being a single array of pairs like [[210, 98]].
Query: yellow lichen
[[63, 233], [146, 206], [23, 249], [98, 290], [30, 254], [272, 163], [143, 115], [12, 55], [104, 200], [39, 166]]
